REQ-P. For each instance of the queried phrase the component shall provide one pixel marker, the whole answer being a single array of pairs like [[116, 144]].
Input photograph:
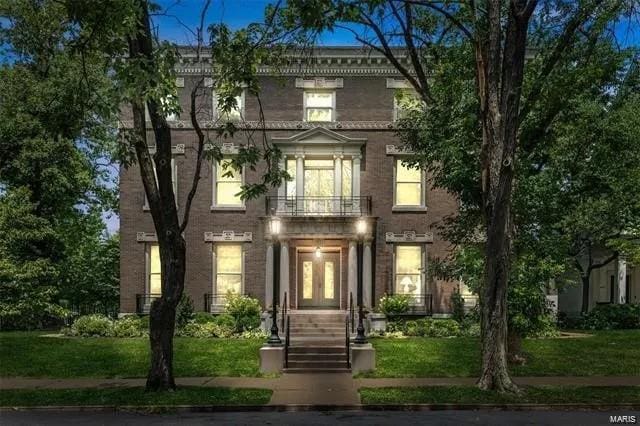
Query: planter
[[377, 322]]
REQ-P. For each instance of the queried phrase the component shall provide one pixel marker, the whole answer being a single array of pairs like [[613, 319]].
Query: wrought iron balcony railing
[[214, 303], [143, 302], [318, 206]]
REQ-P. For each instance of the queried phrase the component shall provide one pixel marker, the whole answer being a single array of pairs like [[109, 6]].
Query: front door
[[318, 279]]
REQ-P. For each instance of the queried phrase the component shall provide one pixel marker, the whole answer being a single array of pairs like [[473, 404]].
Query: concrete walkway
[[316, 389]]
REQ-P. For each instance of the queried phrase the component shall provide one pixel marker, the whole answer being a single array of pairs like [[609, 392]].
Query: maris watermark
[[628, 420]]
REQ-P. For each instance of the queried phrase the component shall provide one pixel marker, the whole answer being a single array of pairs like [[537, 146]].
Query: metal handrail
[[284, 310], [286, 344], [347, 341], [313, 206], [351, 312]]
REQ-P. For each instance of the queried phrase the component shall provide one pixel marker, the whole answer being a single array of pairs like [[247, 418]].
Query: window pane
[[346, 178], [321, 164], [318, 114], [319, 99], [233, 114], [408, 194], [407, 174], [291, 185], [225, 167], [155, 284], [155, 275], [228, 282], [307, 280], [408, 259], [408, 284], [229, 258], [328, 280], [226, 193]]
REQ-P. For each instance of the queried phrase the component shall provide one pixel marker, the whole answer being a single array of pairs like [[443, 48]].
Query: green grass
[[134, 396], [606, 353], [30, 354], [473, 395]]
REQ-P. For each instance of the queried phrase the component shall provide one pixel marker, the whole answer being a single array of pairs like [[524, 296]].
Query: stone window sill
[[228, 208], [409, 209]]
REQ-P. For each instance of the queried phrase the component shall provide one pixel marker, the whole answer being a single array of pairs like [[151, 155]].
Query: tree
[[497, 34]]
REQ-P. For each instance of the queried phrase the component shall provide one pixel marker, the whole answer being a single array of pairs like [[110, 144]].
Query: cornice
[[283, 125], [409, 237], [226, 236]]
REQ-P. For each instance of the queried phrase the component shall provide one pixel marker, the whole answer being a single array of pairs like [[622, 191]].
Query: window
[[347, 189], [235, 114], [291, 184], [164, 104], [408, 270], [174, 180], [154, 278], [228, 268], [227, 185], [404, 101], [319, 106], [408, 186]]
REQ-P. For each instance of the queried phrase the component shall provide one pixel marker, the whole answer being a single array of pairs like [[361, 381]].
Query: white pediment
[[318, 136]]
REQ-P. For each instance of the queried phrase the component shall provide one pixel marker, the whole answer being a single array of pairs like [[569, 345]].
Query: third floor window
[[319, 106]]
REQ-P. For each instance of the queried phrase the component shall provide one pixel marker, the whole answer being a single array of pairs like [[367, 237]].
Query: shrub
[[129, 326], [470, 328], [226, 324], [611, 317], [254, 334], [92, 326], [442, 328], [184, 311], [245, 311], [144, 322], [394, 304], [203, 318], [427, 327], [457, 307]]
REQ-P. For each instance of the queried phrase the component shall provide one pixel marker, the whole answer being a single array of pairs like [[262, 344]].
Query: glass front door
[[318, 186], [318, 280]]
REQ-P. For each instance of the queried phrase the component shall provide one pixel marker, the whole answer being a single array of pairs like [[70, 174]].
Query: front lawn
[[133, 396], [31, 354], [473, 395], [606, 353]]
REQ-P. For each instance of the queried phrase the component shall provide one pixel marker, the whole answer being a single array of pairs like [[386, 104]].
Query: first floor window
[[155, 271], [228, 268], [408, 181], [228, 185], [408, 270]]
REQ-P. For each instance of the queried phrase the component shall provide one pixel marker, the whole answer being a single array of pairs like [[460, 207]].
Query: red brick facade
[[363, 109]]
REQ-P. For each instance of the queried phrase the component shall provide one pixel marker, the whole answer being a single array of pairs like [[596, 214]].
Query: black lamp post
[[274, 228], [361, 228]]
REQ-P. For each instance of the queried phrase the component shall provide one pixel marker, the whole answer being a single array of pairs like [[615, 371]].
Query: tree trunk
[[585, 294]]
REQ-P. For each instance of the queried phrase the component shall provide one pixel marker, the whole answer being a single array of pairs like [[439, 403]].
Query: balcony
[[318, 206], [215, 303]]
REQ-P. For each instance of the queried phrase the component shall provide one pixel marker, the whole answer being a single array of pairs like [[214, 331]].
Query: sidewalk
[[316, 389]]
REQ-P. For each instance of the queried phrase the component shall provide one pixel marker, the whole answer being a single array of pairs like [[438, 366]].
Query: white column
[[352, 275], [268, 278], [284, 272], [367, 274], [621, 269], [356, 182]]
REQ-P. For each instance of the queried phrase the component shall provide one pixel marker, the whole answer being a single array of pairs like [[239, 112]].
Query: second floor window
[[228, 184], [154, 279], [408, 186], [319, 106]]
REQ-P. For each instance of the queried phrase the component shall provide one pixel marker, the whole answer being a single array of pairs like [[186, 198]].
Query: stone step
[[316, 349], [325, 335], [318, 364], [317, 370], [316, 356], [315, 321]]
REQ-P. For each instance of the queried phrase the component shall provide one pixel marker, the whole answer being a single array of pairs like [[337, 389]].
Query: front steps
[[317, 342]]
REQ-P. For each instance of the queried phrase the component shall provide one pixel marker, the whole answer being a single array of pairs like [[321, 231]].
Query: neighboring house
[[334, 121], [617, 282]]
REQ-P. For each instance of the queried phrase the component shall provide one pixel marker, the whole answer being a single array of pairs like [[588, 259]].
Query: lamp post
[[274, 229], [361, 229]]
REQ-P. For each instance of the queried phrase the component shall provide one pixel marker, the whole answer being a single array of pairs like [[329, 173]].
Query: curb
[[323, 408]]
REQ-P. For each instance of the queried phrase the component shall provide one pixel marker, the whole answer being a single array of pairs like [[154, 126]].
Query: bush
[[129, 326], [611, 317], [442, 328], [457, 307], [184, 311], [226, 324], [427, 327], [92, 326], [203, 318], [245, 311], [394, 304], [470, 328]]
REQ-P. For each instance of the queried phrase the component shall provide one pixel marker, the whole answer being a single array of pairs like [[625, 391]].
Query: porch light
[[318, 252], [275, 225], [361, 226]]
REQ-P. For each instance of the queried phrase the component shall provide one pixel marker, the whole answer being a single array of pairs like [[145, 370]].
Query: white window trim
[[423, 269], [333, 105], [423, 193], [174, 180], [225, 207], [214, 102], [214, 265]]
